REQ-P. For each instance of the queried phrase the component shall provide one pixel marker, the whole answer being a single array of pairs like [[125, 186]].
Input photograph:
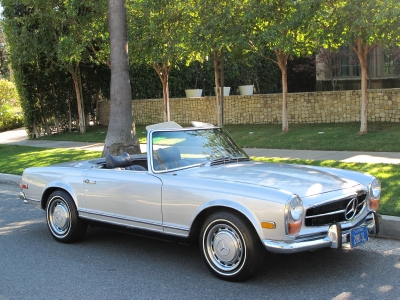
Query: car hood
[[301, 180]]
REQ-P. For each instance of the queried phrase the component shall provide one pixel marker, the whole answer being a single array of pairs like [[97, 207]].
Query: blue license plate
[[358, 236]]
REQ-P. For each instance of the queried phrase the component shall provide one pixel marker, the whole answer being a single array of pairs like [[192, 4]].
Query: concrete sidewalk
[[390, 226]]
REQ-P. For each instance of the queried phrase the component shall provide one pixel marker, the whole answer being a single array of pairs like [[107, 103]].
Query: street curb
[[389, 225], [10, 179]]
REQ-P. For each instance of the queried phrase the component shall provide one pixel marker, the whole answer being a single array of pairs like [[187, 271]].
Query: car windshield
[[179, 149]]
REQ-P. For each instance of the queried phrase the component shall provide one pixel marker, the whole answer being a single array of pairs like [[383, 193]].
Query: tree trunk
[[36, 130], [222, 85], [121, 134], [163, 73], [57, 122], [79, 100], [44, 116], [282, 63], [57, 125], [362, 54], [47, 128], [217, 85], [69, 113]]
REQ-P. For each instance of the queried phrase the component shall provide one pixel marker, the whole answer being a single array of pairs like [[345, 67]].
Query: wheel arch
[[54, 186], [223, 206]]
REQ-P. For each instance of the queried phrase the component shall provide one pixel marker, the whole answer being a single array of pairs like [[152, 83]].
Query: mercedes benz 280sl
[[197, 184]]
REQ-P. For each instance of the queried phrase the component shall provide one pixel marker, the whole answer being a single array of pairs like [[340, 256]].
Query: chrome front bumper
[[333, 239]]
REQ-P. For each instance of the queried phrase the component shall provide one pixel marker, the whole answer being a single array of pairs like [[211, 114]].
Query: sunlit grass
[[93, 134], [381, 136], [388, 174], [14, 159]]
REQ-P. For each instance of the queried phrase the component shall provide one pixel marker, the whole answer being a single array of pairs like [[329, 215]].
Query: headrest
[[169, 154], [121, 161]]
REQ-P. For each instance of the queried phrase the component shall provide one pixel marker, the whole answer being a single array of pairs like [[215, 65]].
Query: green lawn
[[14, 159], [93, 134], [382, 137]]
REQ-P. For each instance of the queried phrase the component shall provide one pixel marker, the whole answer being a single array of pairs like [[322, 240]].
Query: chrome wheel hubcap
[[59, 217], [224, 247]]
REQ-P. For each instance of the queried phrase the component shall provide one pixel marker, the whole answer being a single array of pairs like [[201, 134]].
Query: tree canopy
[[60, 52], [159, 35], [284, 27], [363, 25]]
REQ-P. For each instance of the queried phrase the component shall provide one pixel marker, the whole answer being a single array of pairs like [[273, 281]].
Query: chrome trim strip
[[183, 228], [342, 197], [176, 234], [327, 214], [120, 224], [122, 218]]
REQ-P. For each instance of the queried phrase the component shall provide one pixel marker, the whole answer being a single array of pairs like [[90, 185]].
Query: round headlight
[[296, 208], [375, 189]]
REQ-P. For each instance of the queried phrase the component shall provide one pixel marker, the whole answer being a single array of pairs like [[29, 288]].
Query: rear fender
[[57, 185]]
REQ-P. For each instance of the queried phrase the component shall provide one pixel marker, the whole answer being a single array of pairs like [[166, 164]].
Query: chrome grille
[[338, 211]]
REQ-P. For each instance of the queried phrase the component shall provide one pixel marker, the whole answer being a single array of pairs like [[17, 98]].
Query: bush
[[11, 122], [10, 116]]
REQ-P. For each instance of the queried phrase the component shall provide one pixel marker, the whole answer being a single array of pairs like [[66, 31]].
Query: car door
[[124, 197]]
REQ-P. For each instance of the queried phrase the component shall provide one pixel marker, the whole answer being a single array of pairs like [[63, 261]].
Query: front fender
[[253, 216]]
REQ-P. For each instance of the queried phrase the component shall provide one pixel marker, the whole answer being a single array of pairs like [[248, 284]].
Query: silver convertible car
[[197, 185]]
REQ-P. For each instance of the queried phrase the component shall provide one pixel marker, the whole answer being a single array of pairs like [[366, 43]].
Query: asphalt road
[[112, 265]]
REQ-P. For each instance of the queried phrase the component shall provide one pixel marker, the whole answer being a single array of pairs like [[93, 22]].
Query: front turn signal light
[[268, 225], [374, 204], [294, 228]]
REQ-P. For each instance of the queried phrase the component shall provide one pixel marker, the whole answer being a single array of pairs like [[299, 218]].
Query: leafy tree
[[121, 135], [4, 67], [27, 40], [218, 32], [284, 27], [159, 36], [80, 35], [362, 24], [55, 36]]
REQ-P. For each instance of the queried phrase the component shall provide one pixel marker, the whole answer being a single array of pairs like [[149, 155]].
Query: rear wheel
[[230, 247], [62, 218]]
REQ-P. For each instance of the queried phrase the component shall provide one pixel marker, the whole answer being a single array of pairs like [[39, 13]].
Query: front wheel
[[62, 218], [230, 247]]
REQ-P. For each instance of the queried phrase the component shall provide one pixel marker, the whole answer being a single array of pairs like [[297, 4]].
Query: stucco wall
[[317, 107]]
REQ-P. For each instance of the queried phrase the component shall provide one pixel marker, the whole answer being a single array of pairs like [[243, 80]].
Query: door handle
[[89, 181]]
